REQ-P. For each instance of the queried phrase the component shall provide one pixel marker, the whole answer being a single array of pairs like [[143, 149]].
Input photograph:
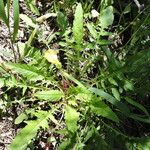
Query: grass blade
[[138, 105], [16, 18], [8, 9], [2, 13]]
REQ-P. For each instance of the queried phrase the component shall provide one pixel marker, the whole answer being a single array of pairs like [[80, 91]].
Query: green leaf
[[106, 17], [64, 145], [100, 108], [28, 20], [127, 9], [32, 36], [78, 25], [71, 118], [92, 30], [128, 85], [51, 95], [62, 21], [90, 133], [24, 116], [3, 14], [85, 97], [2, 82], [32, 5], [25, 136], [21, 118], [104, 42], [140, 118], [124, 109], [143, 143], [138, 105], [16, 18], [112, 81], [30, 72], [8, 9], [13, 82], [115, 93]]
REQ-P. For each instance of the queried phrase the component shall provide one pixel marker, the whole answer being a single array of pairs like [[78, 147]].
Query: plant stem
[[12, 45]]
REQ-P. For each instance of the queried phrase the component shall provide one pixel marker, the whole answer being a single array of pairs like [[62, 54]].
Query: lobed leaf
[[71, 118], [78, 24], [51, 95], [30, 72], [25, 136]]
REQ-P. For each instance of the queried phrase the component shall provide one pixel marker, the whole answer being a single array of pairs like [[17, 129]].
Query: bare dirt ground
[[7, 132]]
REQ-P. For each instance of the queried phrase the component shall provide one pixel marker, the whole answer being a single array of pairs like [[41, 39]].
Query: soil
[[7, 132]]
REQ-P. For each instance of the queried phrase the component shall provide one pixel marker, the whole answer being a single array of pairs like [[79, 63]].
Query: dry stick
[[18, 52], [140, 7]]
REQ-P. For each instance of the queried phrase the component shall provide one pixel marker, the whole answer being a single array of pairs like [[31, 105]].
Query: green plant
[[88, 88], [5, 17]]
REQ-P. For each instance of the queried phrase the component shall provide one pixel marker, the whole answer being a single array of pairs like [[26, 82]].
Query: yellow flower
[[51, 56]]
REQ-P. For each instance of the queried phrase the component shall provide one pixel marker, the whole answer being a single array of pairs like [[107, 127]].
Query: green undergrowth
[[92, 90]]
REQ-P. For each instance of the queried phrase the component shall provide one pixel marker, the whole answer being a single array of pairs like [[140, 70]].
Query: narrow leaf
[[2, 13], [138, 105], [139, 118], [32, 5], [16, 18], [8, 9]]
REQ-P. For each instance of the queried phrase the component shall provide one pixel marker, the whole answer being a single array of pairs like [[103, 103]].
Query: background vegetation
[[81, 77]]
